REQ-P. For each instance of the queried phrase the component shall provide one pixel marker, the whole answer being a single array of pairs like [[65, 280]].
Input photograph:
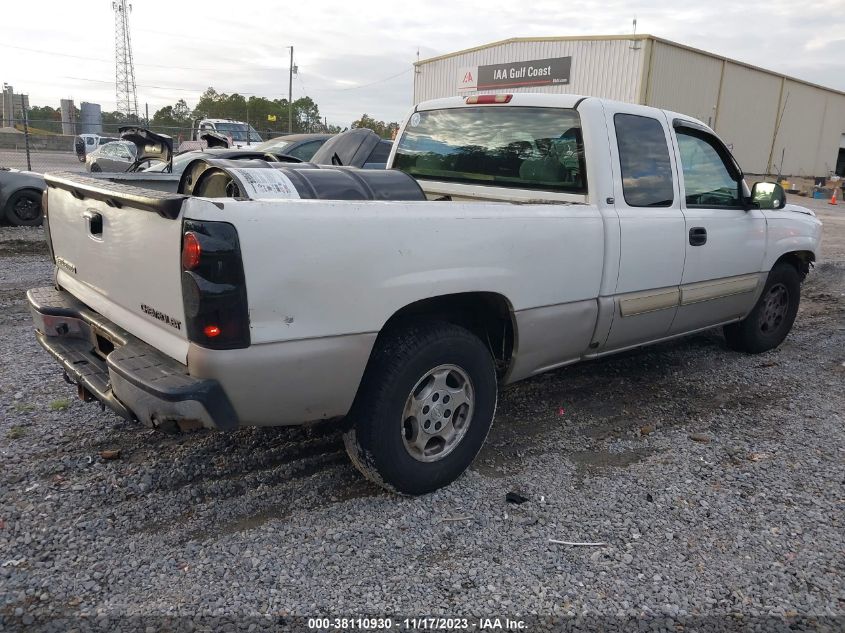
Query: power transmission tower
[[124, 68]]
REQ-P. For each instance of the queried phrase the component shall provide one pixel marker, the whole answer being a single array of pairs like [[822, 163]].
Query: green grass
[[17, 432], [59, 405], [21, 407]]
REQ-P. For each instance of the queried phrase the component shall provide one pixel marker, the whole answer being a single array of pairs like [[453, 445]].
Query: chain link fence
[[35, 145], [29, 148]]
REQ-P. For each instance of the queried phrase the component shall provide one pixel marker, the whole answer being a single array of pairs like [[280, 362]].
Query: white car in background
[[116, 156], [85, 143]]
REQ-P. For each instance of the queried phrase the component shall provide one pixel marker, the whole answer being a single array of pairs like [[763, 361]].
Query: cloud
[[350, 53]]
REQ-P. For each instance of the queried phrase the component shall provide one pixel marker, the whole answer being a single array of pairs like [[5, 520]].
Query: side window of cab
[[710, 178], [644, 161]]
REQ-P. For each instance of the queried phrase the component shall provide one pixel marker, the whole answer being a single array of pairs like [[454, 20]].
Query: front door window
[[708, 181]]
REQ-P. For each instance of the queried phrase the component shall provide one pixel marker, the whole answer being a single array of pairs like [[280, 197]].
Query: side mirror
[[768, 195]]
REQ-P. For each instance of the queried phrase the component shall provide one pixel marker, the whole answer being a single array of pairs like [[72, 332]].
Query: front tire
[[770, 321], [424, 408]]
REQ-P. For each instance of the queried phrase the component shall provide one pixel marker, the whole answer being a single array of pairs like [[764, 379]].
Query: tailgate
[[117, 249]]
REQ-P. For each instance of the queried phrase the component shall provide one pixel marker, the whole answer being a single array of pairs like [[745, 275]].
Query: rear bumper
[[127, 375]]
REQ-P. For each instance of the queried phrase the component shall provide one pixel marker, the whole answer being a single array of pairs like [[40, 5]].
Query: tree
[[384, 130], [181, 111], [45, 118]]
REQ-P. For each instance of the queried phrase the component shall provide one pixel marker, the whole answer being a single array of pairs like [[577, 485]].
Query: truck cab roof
[[541, 100]]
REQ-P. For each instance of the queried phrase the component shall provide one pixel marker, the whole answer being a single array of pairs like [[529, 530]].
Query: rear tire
[[772, 317], [24, 209], [424, 407], [96, 168]]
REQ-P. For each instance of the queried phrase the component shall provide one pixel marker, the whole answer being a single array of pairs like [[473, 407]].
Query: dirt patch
[[591, 463]]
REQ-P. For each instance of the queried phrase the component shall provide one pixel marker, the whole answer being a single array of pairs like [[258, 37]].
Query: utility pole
[[290, 93], [24, 100]]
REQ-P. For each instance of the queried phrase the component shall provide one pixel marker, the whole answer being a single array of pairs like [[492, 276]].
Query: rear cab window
[[644, 161], [503, 146]]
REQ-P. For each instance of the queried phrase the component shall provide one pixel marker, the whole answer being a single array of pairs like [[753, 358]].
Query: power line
[[373, 83], [99, 59], [103, 81], [255, 93], [168, 66]]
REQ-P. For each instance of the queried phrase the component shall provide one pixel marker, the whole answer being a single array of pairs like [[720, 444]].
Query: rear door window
[[501, 146], [644, 161]]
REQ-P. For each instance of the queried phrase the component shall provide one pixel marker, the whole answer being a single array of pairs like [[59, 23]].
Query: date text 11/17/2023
[[417, 624]]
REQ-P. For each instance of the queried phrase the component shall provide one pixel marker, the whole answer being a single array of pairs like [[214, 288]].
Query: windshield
[[237, 131], [519, 147]]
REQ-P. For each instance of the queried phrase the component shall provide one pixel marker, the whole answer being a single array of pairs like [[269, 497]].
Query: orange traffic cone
[[833, 197]]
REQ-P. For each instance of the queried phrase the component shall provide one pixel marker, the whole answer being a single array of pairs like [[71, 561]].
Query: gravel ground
[[715, 480]]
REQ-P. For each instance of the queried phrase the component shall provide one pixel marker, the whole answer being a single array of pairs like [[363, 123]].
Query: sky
[[356, 57]]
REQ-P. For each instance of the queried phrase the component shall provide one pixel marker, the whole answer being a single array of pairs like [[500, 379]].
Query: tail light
[[487, 99], [191, 251], [213, 287]]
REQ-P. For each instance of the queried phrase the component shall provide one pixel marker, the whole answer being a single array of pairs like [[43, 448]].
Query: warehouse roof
[[598, 38]]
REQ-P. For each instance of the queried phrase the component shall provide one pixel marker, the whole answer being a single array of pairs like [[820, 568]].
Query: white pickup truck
[[531, 232]]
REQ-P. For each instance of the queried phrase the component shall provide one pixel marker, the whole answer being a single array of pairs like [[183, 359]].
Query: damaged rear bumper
[[132, 378]]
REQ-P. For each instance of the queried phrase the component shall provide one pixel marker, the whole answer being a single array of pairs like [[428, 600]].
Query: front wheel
[[772, 317], [424, 407]]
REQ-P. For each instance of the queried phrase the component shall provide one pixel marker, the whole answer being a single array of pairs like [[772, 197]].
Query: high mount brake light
[[487, 99], [213, 287]]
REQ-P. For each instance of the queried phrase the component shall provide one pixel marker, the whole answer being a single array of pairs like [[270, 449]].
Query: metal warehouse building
[[767, 118]]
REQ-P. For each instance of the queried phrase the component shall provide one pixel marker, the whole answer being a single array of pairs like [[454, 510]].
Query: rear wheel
[[24, 208], [424, 407], [773, 315], [96, 168]]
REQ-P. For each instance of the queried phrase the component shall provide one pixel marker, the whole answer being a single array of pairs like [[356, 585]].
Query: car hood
[[19, 176]]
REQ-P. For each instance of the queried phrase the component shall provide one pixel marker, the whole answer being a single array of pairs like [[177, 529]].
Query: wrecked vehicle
[[20, 196], [514, 234], [240, 132]]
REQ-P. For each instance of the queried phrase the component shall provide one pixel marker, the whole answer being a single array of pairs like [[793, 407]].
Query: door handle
[[94, 221], [697, 236]]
